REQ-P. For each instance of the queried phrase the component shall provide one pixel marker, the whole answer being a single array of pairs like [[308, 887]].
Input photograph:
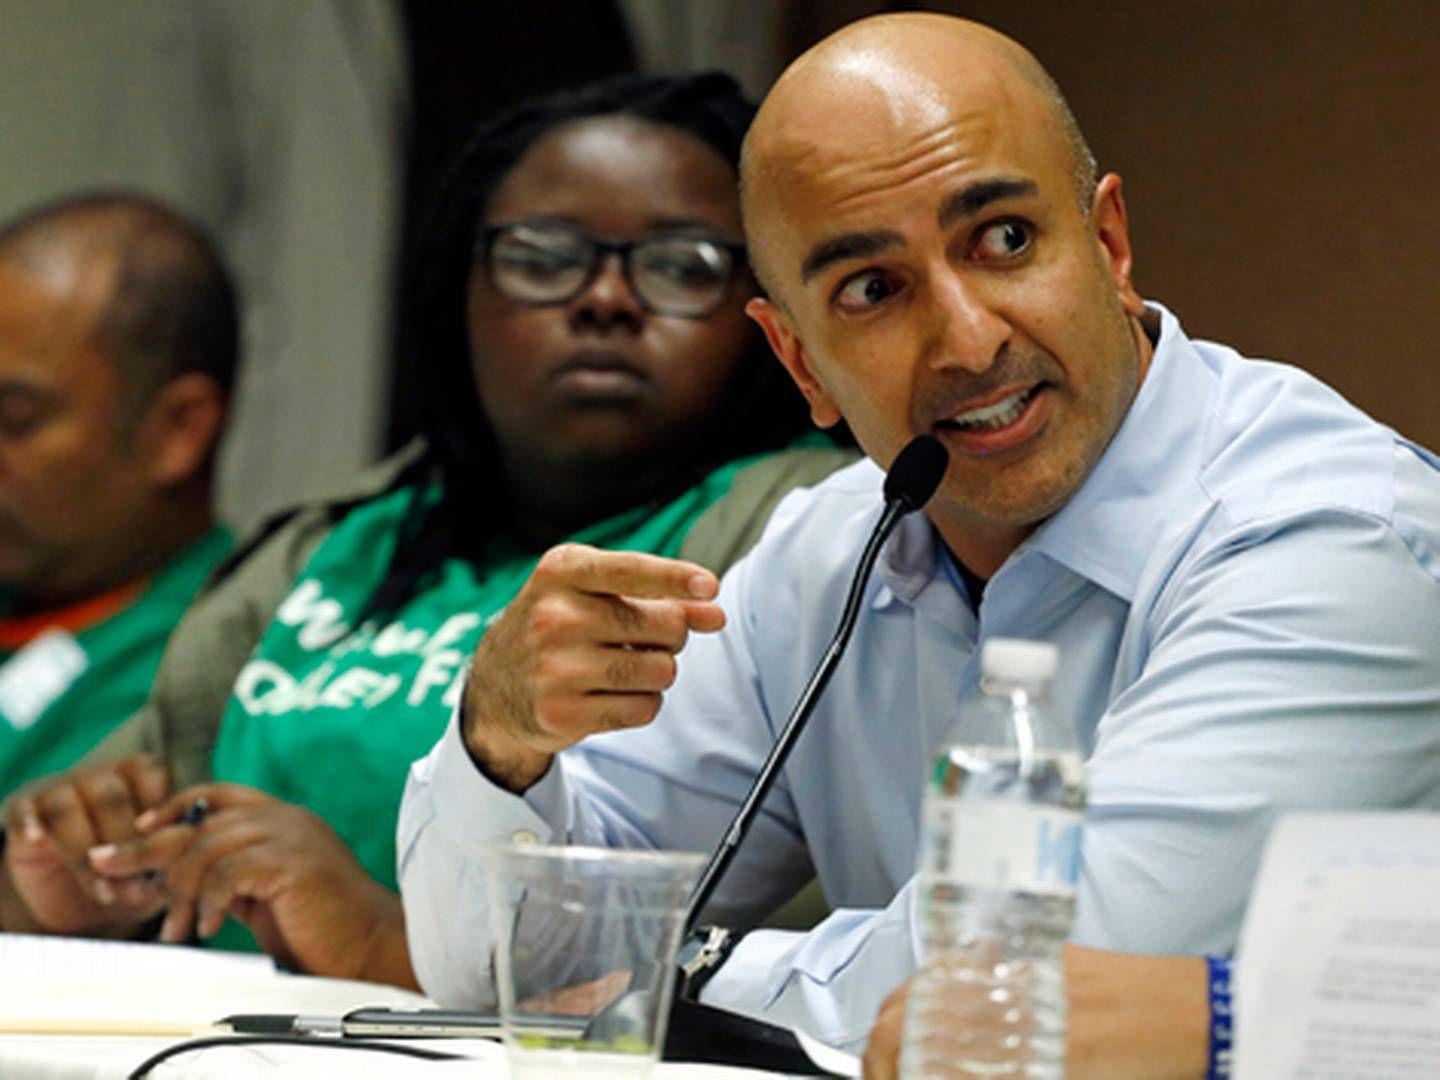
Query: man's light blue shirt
[[1244, 593]]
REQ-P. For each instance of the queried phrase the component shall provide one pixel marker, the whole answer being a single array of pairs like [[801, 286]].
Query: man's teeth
[[1003, 412]]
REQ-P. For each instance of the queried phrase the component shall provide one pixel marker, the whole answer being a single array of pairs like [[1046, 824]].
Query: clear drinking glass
[[585, 942]]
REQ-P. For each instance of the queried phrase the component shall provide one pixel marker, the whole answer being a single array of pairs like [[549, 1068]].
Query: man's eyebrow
[[969, 201], [858, 245]]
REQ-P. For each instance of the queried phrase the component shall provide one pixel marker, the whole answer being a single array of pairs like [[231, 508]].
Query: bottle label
[[996, 844]]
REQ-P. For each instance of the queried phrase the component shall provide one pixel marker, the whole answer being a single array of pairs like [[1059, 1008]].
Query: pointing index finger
[[629, 573]]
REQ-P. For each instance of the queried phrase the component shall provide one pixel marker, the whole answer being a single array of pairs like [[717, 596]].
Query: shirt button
[[524, 836]]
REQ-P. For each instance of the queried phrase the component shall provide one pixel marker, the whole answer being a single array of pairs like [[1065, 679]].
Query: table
[[148, 995], [113, 1057]]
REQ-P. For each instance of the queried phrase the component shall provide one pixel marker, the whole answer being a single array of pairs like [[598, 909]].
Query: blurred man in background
[[277, 127], [118, 345]]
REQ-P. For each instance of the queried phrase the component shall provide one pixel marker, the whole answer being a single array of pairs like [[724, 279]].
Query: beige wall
[[1281, 166]]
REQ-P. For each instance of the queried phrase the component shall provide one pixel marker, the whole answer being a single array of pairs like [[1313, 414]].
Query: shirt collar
[[1107, 529], [909, 560]]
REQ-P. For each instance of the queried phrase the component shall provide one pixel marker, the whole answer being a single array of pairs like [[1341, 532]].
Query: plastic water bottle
[[999, 866]]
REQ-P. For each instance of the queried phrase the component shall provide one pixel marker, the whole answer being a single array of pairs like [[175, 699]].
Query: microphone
[[914, 475]]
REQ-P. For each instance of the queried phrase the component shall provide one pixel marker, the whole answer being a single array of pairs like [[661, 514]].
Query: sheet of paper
[[36, 956], [1338, 970], [74, 985]]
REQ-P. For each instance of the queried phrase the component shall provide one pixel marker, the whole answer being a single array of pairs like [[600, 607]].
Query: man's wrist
[[1133, 1015], [512, 765], [517, 773]]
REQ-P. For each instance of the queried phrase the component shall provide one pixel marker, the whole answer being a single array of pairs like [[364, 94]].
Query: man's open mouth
[[994, 416]]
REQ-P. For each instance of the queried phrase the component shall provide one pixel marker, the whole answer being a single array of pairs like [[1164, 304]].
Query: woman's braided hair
[[763, 410]]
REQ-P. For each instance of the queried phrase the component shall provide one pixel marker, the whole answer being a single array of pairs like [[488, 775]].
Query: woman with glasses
[[575, 328]]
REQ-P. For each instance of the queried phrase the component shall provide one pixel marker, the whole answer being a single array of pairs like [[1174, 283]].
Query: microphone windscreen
[[916, 472]]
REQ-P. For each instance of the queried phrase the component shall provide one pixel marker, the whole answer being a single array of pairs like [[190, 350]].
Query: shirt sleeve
[[1292, 667], [449, 814], [829, 981]]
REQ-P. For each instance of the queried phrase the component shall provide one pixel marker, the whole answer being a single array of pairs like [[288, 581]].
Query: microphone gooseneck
[[913, 478]]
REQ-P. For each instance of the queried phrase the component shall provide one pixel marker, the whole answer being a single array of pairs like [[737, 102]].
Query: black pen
[[192, 815], [195, 813]]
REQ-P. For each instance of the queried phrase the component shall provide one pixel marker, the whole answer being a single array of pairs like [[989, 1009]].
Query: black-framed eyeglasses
[[680, 274]]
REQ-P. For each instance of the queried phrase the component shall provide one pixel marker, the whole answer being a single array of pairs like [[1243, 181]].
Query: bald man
[[117, 352], [1238, 567]]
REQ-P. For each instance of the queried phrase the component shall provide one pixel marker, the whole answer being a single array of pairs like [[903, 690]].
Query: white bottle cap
[[1018, 660]]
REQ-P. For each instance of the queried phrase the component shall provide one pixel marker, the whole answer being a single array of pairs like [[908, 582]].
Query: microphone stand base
[[711, 1036]]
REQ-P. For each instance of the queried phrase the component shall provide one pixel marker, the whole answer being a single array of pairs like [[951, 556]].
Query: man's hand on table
[[1130, 1018], [276, 867], [48, 886], [588, 645]]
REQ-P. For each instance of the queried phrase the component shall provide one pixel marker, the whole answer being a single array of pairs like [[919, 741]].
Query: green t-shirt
[[330, 715], [66, 689]]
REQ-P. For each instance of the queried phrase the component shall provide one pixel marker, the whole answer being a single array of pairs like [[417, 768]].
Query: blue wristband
[[1222, 1019]]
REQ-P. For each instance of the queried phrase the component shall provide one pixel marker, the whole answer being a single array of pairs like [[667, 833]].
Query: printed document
[[1338, 971]]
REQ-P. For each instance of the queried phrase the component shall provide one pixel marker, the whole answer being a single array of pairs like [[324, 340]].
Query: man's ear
[[1112, 230], [786, 345], [182, 424]]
